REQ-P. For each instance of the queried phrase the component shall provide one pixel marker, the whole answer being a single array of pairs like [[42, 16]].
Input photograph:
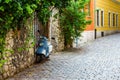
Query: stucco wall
[[105, 33], [86, 36]]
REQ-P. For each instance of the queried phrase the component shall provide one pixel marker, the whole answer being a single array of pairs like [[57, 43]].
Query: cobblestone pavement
[[97, 60]]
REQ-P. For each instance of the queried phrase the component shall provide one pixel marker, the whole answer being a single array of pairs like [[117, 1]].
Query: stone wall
[[57, 39], [20, 53]]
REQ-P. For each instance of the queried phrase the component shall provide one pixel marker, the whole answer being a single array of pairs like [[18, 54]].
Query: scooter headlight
[[41, 44]]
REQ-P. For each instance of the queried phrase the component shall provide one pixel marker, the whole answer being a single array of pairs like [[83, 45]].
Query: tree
[[72, 20]]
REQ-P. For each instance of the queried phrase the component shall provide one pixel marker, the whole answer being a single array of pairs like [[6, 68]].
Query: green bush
[[73, 21]]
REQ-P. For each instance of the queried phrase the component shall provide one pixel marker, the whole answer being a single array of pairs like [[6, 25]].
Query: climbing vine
[[45, 9]]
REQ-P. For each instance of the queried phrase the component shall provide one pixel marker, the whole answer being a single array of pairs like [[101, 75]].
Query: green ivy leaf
[[34, 6], [9, 50], [19, 7], [1, 65], [1, 8], [29, 9], [2, 61], [7, 1], [1, 19]]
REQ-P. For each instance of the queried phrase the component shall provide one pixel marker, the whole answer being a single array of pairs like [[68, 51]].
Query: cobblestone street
[[97, 60]]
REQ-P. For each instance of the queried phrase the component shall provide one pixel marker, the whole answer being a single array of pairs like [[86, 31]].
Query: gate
[[36, 27]]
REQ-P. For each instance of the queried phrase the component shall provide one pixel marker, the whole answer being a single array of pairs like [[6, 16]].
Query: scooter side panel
[[41, 50]]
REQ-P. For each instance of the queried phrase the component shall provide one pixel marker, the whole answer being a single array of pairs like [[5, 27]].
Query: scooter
[[44, 49]]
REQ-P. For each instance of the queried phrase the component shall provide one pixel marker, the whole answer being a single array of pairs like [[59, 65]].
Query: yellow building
[[107, 17]]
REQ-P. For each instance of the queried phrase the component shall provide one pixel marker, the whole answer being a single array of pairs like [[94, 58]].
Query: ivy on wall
[[13, 13]]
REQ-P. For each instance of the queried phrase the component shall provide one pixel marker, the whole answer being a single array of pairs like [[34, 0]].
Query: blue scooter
[[44, 49]]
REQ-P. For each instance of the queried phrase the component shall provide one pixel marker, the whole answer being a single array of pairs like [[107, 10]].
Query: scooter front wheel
[[48, 57], [39, 58]]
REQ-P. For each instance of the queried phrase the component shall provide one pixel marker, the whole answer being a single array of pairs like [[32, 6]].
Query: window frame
[[113, 19], [98, 17], [109, 19], [102, 17], [117, 19]]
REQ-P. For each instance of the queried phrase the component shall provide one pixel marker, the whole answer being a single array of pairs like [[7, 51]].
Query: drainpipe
[[95, 33], [76, 41]]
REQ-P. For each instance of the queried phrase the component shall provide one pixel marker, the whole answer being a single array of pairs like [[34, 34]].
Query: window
[[102, 18], [113, 19], [109, 19], [116, 20], [97, 16]]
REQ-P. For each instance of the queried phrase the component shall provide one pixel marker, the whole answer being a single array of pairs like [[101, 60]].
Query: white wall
[[86, 37]]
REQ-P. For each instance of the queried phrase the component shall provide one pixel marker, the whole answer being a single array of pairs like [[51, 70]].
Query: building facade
[[105, 17]]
